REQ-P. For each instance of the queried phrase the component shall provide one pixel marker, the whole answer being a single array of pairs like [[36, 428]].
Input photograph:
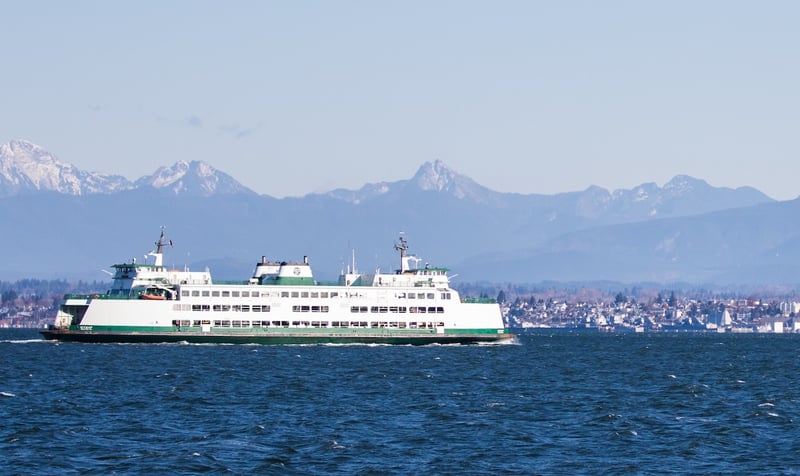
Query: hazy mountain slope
[[732, 246]]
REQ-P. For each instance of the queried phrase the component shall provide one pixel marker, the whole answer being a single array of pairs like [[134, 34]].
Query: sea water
[[552, 403]]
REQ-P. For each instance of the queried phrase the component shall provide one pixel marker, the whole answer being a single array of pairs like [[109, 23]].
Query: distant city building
[[788, 308]]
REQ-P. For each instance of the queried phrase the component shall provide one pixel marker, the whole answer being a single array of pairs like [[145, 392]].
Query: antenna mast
[[402, 248], [161, 243]]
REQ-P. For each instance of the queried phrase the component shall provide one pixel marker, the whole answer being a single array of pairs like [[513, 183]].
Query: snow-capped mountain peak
[[435, 176], [438, 177], [193, 178], [430, 177], [682, 184], [27, 167]]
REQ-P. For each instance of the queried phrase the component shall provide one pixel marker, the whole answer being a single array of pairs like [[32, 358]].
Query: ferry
[[281, 303]]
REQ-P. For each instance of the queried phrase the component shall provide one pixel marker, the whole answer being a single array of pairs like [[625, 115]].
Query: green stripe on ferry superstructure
[[289, 281]]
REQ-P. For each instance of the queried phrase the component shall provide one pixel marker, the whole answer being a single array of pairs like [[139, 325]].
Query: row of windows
[[294, 294], [209, 293], [322, 324], [222, 308], [304, 308], [309, 308], [397, 309], [423, 296], [245, 294]]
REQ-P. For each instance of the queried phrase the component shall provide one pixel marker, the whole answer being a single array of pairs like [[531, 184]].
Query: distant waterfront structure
[[720, 318], [789, 308]]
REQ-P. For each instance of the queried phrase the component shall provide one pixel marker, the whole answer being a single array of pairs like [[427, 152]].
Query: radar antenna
[[403, 246], [161, 243]]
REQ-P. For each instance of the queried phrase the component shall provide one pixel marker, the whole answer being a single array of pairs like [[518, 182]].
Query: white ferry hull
[[101, 319]]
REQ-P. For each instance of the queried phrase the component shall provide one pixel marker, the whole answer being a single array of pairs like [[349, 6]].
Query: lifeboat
[[155, 293], [152, 297]]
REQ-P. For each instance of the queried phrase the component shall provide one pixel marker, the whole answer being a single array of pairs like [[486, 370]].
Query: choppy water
[[552, 404]]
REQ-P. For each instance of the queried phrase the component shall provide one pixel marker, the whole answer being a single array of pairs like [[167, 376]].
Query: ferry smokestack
[[263, 259], [305, 259]]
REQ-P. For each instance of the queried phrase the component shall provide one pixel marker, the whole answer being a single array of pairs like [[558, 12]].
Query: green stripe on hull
[[476, 331], [278, 336]]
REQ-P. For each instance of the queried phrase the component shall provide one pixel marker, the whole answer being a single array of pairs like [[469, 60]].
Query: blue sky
[[297, 97]]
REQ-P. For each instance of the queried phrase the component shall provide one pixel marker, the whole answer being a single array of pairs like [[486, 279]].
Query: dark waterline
[[562, 403]]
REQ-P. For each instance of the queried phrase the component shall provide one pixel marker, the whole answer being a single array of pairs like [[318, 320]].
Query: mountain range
[[61, 221], [28, 168]]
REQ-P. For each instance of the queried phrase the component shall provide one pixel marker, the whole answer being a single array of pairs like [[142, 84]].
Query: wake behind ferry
[[281, 303]]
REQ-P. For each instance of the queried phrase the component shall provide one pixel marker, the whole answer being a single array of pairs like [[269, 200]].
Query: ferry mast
[[402, 248]]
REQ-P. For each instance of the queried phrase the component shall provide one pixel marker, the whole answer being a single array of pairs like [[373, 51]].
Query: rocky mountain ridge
[[26, 167], [686, 230]]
